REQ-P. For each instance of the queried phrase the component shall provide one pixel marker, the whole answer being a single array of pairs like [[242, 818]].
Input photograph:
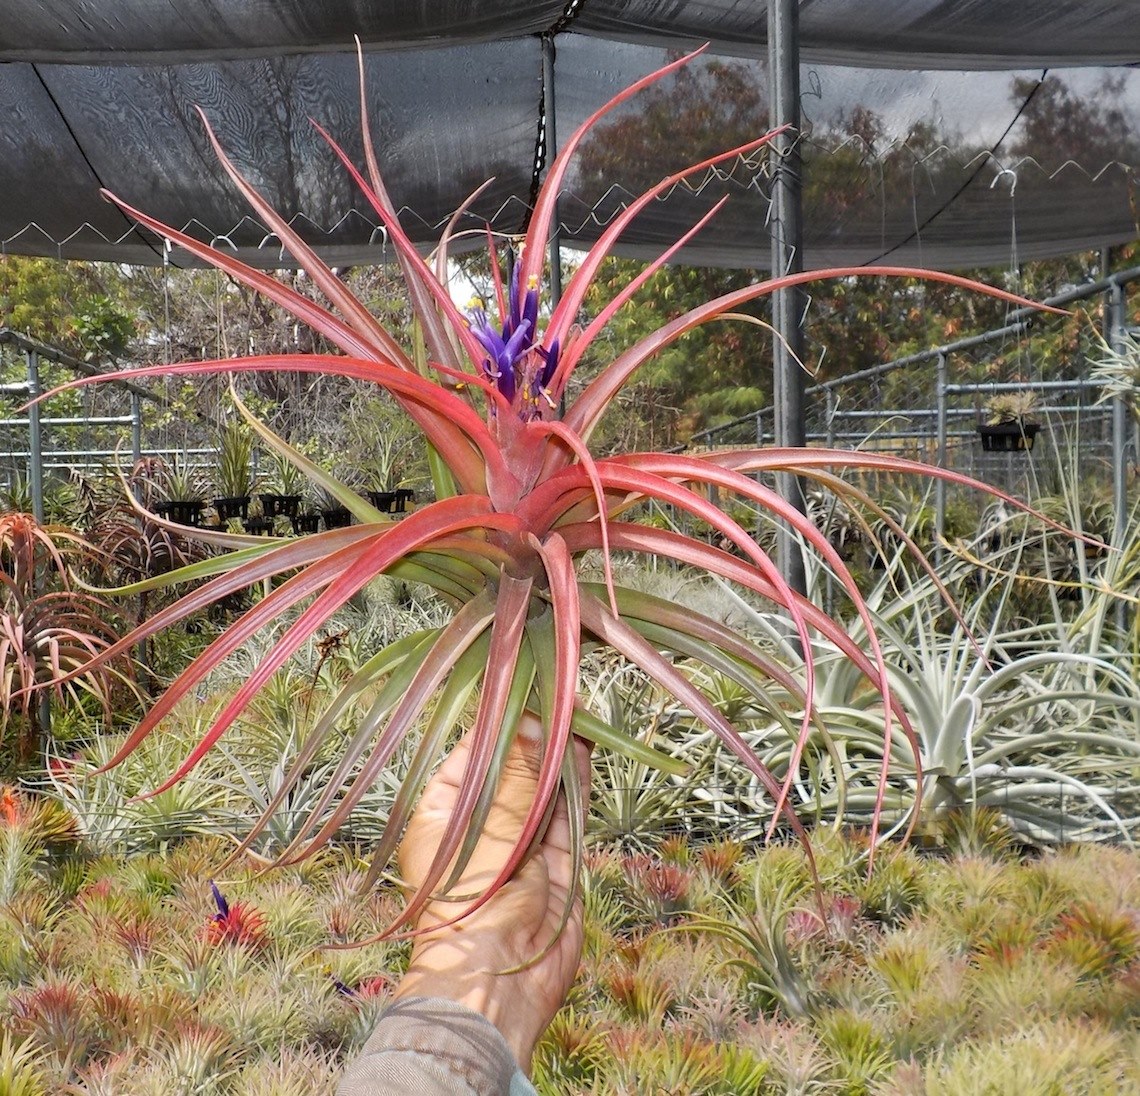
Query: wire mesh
[[930, 410]]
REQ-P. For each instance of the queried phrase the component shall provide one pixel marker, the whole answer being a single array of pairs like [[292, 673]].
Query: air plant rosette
[[234, 478], [519, 501], [185, 494]]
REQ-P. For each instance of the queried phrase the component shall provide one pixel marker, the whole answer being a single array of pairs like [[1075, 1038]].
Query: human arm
[[466, 963]]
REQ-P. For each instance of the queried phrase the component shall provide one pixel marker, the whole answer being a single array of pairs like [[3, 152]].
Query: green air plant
[[519, 501], [182, 483], [21, 1071], [1010, 406], [285, 478], [234, 476], [1117, 370]]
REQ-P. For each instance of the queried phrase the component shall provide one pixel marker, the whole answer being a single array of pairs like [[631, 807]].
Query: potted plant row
[[392, 502]]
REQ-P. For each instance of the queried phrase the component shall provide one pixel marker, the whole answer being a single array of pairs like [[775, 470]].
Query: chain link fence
[[930, 406]]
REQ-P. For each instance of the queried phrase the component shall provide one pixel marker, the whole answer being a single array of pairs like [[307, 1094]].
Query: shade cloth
[[949, 134]]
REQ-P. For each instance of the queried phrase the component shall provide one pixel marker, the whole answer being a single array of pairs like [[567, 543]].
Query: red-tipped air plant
[[54, 639], [236, 923], [519, 499]]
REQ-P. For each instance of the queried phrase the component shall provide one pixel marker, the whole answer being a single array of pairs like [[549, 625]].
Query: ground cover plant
[[711, 965], [709, 968], [519, 502]]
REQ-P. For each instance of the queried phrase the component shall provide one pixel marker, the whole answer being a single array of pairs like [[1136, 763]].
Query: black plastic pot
[[234, 507], [404, 495], [280, 505], [337, 518], [1008, 437], [382, 500], [259, 527], [306, 523], [183, 511]]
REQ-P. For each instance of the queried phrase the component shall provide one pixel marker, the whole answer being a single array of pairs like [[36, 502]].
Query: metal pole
[[787, 258], [35, 438], [549, 112], [940, 484], [36, 482], [136, 429]]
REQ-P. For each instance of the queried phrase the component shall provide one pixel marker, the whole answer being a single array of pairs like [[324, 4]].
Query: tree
[[855, 323], [720, 370], [80, 307]]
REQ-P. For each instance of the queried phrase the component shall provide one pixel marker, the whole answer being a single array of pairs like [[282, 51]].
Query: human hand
[[465, 961]]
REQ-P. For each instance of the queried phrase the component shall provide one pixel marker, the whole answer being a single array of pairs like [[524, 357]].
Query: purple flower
[[238, 924], [550, 366], [515, 361], [220, 900]]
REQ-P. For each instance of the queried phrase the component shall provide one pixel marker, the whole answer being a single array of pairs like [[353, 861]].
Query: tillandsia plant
[[1010, 406], [233, 477], [50, 633], [183, 483], [519, 501]]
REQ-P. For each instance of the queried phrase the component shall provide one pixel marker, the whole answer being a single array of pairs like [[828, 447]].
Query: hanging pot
[[382, 500], [280, 505], [1008, 437], [259, 527], [183, 511]]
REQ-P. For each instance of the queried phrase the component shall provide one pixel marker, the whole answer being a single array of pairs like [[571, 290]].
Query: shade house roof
[[947, 134]]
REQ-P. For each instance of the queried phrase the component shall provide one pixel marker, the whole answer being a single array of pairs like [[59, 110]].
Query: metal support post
[[136, 428], [940, 484], [1118, 341], [35, 438], [36, 483], [787, 258], [549, 113]]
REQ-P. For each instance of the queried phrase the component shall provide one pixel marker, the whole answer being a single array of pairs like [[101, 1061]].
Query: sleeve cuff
[[431, 1045]]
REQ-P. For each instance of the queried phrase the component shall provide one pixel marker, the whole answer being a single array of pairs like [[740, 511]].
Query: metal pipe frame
[[35, 437], [1076, 293], [116, 420], [788, 305]]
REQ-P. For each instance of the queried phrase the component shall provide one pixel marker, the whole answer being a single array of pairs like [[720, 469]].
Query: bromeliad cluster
[[519, 500]]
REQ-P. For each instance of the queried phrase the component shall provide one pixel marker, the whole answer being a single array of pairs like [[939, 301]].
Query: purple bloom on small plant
[[236, 923]]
